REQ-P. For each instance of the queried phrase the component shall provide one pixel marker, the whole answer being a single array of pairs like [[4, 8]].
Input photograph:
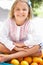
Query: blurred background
[[5, 6], [37, 6]]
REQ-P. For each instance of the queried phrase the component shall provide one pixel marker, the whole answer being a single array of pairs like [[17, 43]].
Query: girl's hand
[[19, 49], [4, 58], [19, 44]]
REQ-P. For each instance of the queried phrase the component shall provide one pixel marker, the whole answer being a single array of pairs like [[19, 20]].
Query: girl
[[17, 35]]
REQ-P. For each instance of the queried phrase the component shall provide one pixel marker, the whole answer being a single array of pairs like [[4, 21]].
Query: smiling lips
[[20, 15]]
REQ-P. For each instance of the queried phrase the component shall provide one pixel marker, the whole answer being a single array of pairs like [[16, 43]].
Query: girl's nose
[[21, 11]]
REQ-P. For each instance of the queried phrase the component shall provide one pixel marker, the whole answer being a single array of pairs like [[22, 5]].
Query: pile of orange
[[28, 61]]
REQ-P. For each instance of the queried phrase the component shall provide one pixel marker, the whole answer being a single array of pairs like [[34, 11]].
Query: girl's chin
[[19, 24]]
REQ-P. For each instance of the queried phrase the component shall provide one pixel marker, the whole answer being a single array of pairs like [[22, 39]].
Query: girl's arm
[[19, 44], [19, 49], [4, 39], [26, 52]]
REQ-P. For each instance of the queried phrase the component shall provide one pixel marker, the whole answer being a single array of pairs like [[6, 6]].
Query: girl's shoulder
[[33, 22], [7, 21]]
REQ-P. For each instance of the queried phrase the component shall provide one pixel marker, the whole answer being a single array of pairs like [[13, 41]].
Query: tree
[[36, 6]]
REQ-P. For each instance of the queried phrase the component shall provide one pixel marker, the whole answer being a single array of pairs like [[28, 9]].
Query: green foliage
[[36, 3], [37, 6]]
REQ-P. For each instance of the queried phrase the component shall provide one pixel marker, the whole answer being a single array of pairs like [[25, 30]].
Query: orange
[[37, 60], [34, 63], [28, 59], [42, 62], [20, 59], [24, 63], [42, 54], [15, 62]]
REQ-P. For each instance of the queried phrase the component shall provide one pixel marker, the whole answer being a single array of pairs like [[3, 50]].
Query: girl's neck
[[19, 23]]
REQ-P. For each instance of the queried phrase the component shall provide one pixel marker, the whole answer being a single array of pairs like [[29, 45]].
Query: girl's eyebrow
[[20, 7]]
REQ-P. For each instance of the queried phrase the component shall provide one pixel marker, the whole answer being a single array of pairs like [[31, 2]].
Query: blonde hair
[[11, 13]]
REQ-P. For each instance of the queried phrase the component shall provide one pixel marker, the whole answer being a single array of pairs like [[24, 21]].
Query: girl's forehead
[[22, 4]]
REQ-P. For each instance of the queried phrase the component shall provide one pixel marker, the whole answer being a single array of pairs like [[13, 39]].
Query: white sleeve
[[4, 39], [33, 37]]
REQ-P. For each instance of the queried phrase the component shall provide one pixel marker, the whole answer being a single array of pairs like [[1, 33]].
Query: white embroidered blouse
[[26, 33]]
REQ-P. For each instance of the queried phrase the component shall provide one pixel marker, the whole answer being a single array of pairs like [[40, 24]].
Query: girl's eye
[[24, 9], [18, 9]]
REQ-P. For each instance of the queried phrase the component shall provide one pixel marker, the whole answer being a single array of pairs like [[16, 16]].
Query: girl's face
[[21, 12]]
